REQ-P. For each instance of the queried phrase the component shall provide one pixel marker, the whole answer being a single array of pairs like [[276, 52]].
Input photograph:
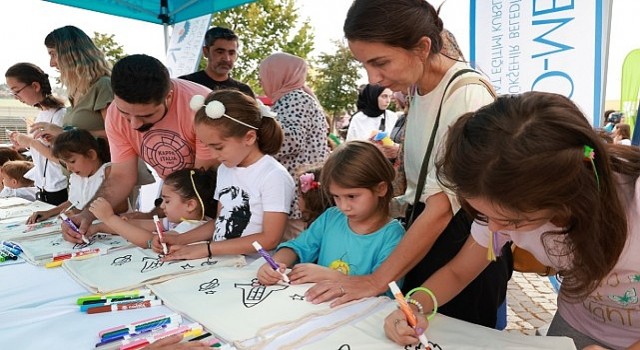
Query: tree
[[335, 81], [111, 49], [264, 27]]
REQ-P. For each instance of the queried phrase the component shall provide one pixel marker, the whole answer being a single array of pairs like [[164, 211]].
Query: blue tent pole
[[635, 138]]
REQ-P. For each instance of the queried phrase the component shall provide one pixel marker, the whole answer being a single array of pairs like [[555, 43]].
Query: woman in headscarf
[[372, 115], [305, 127]]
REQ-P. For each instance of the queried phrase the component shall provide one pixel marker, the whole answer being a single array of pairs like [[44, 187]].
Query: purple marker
[[269, 260], [73, 226]]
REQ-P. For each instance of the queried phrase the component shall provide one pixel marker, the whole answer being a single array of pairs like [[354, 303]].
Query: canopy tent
[[165, 12]]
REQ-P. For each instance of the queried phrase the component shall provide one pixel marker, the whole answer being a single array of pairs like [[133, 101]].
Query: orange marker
[[411, 318]]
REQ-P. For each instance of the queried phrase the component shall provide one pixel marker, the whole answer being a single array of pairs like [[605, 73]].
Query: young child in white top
[[15, 184], [187, 202], [87, 159], [253, 190]]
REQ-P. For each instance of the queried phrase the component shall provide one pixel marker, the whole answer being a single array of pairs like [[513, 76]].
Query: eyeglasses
[[15, 93]]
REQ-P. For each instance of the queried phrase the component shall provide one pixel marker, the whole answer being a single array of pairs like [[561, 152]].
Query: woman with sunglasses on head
[[85, 73]]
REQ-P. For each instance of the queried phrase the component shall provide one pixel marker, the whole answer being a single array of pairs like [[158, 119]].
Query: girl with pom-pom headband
[[214, 110], [254, 191]]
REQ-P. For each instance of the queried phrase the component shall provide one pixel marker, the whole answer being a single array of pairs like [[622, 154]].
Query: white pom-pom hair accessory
[[214, 110], [265, 111]]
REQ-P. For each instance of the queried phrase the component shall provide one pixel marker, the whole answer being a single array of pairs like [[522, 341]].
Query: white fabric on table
[[231, 302], [447, 332], [41, 250], [134, 267], [20, 229]]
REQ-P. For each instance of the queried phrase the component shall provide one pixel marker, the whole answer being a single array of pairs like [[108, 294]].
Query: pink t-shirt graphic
[[171, 144]]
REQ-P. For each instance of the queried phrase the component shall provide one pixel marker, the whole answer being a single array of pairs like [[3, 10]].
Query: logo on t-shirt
[[166, 151], [235, 213]]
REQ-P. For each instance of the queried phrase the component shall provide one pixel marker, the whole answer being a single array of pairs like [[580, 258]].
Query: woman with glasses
[[30, 85]]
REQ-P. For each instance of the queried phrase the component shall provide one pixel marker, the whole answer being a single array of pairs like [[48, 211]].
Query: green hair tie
[[590, 155]]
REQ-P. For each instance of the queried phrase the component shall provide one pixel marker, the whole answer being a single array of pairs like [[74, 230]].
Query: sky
[[26, 23]]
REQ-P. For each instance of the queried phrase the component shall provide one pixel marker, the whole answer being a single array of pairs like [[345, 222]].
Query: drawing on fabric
[[151, 264], [92, 240], [209, 262], [55, 243], [296, 297], [234, 215], [419, 346], [254, 293], [121, 260], [39, 225], [345, 347], [187, 266], [207, 287]]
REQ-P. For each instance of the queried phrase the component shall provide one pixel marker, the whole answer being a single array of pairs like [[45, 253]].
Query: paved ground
[[531, 303]]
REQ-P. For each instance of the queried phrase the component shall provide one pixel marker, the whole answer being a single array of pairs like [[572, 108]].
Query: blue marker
[[9, 249], [73, 226], [12, 245]]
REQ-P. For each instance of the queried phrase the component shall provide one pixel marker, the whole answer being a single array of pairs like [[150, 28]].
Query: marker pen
[[193, 329], [127, 336], [10, 249], [73, 226], [86, 307], [408, 313], [124, 306], [135, 326], [76, 254], [156, 220], [12, 245], [82, 256], [131, 293], [8, 255], [269, 260]]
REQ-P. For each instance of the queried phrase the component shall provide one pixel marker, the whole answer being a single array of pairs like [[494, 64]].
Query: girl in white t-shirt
[[87, 159], [531, 170], [253, 190], [30, 85], [187, 202]]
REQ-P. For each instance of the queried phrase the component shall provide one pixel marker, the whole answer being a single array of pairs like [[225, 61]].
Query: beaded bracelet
[[209, 250], [433, 298], [416, 303]]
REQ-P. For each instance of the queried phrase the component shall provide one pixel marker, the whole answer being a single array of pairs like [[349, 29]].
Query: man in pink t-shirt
[[149, 118]]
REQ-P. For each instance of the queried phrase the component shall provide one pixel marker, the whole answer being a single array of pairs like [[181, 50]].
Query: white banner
[[544, 45], [185, 48]]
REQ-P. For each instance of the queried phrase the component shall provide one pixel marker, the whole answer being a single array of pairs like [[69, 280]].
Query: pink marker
[[156, 220]]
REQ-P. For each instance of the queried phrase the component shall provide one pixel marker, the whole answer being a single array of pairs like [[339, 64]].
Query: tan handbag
[[523, 261]]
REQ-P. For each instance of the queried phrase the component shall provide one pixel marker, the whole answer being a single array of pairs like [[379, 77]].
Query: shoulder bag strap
[[422, 178]]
